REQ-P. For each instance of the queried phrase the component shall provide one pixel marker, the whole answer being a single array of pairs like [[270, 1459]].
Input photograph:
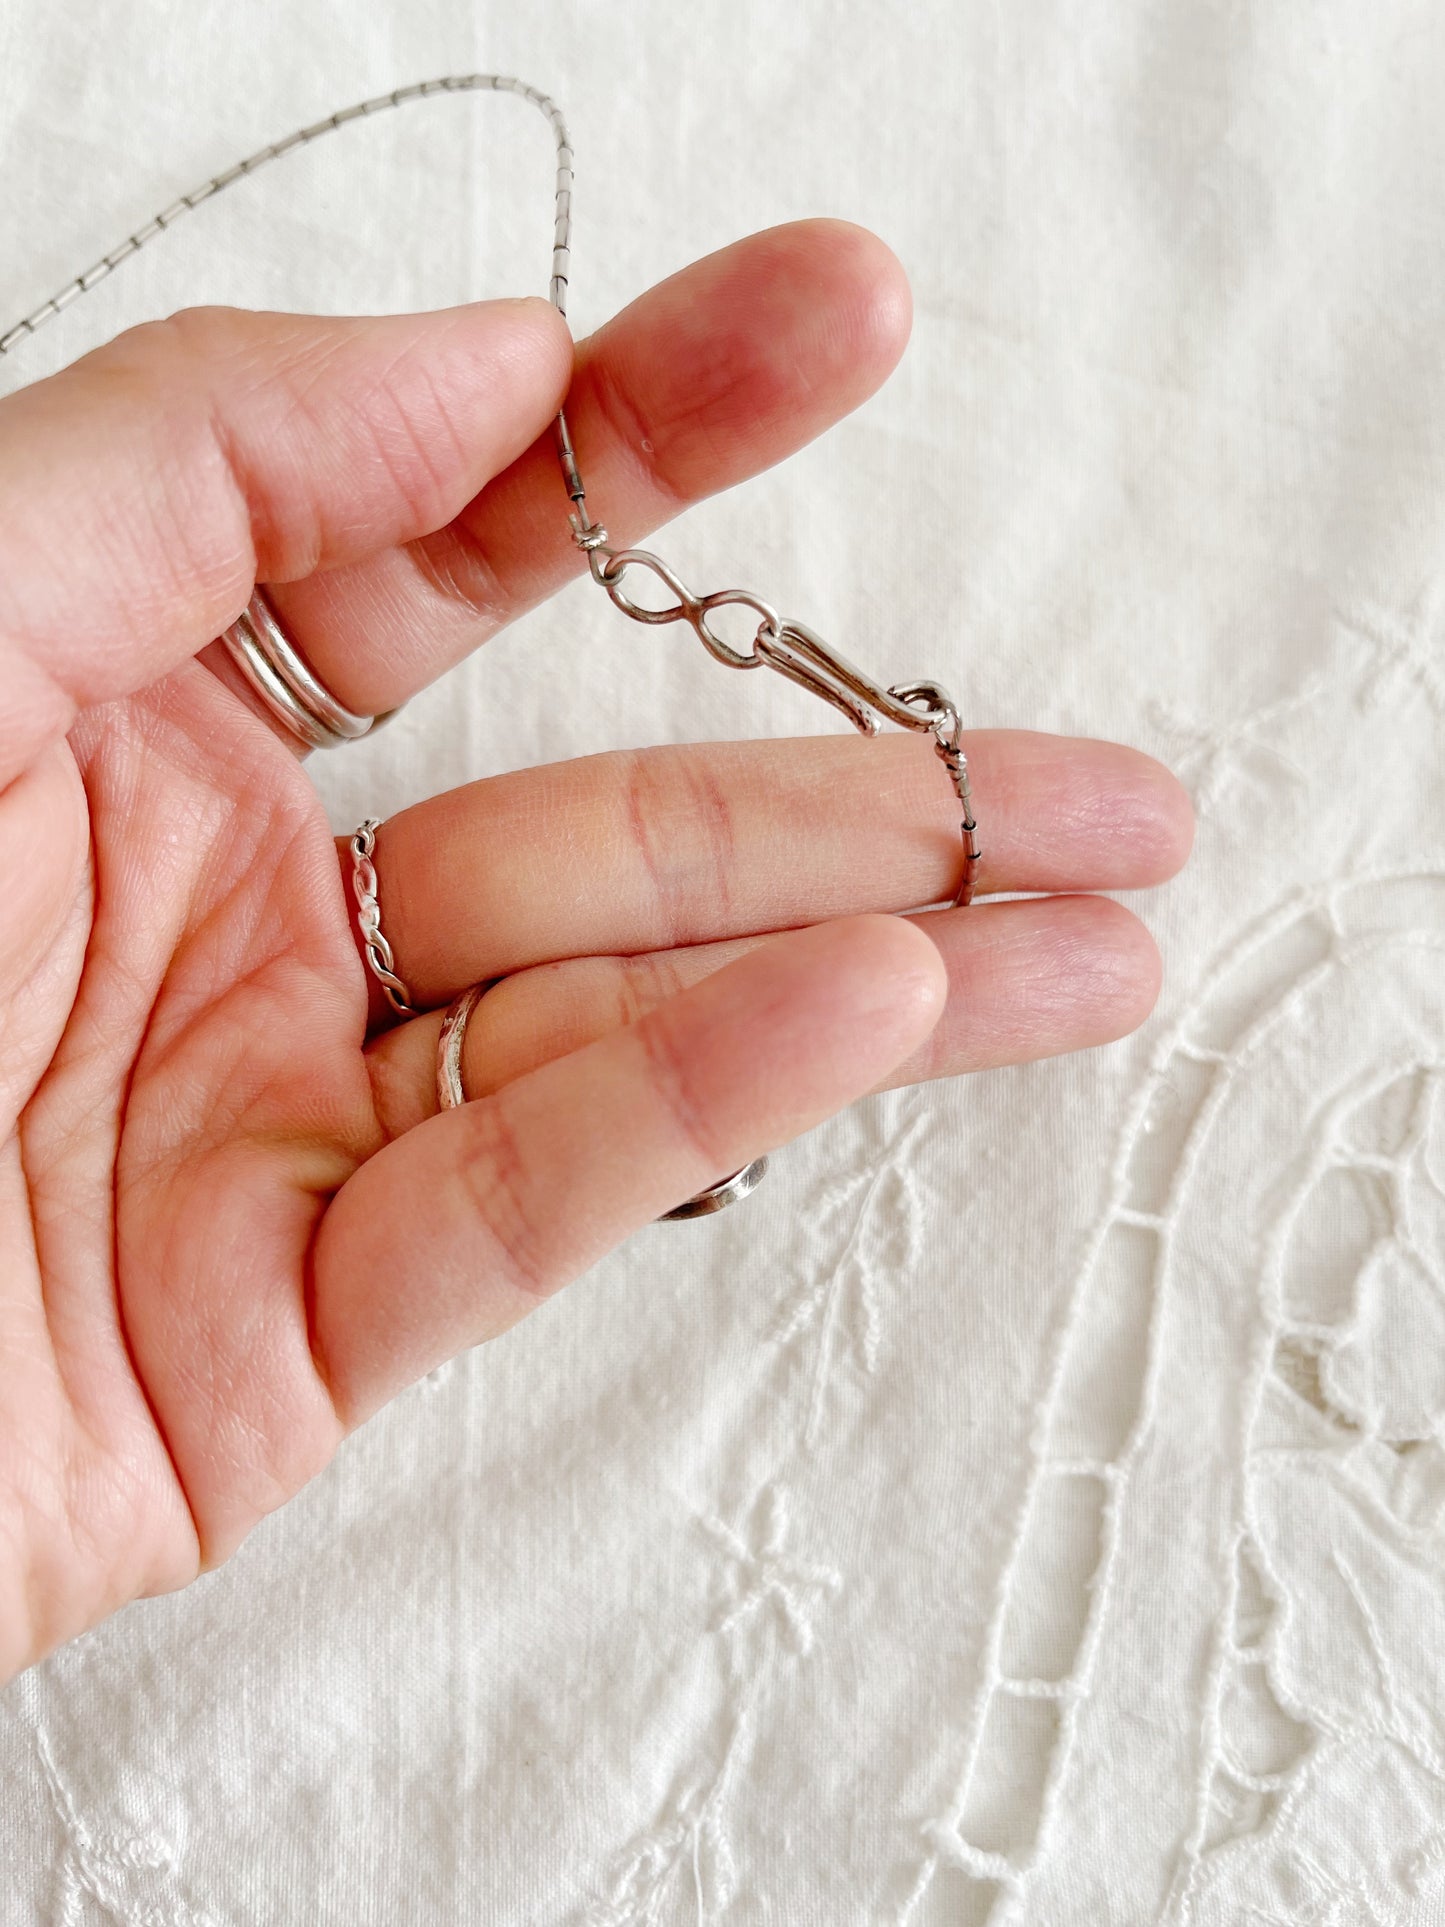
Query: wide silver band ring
[[285, 682], [717, 1197]]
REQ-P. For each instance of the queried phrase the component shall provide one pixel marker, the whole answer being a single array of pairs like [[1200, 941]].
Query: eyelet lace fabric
[[1028, 1510]]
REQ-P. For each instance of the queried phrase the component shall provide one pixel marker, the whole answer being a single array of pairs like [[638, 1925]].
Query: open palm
[[232, 1223]]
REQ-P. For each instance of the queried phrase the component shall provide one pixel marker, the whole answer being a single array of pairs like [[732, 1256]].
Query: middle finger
[[1028, 978], [655, 849]]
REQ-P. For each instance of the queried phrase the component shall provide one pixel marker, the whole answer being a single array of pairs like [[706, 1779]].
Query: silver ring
[[717, 1197], [379, 958], [285, 682], [449, 1048]]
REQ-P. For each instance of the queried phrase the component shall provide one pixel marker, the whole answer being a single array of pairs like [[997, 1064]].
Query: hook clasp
[[803, 657]]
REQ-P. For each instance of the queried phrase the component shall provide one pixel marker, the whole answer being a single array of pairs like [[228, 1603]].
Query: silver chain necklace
[[786, 646]]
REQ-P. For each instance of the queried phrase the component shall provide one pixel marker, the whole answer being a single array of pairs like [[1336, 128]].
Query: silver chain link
[[399, 97], [788, 647], [804, 658]]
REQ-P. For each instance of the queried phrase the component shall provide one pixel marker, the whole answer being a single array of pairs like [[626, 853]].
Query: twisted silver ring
[[379, 958], [717, 1197], [285, 682]]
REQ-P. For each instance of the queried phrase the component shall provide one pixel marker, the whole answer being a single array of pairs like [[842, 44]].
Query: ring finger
[[1025, 980]]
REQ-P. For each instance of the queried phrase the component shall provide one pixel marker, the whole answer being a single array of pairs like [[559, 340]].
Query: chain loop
[[804, 658], [788, 647], [303, 136]]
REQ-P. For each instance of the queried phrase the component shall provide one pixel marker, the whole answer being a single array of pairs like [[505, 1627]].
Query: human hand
[[231, 1224]]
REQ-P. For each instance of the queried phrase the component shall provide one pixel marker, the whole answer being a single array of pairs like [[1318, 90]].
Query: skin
[[231, 1222]]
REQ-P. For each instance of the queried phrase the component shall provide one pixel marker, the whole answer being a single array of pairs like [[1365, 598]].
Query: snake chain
[[786, 646]]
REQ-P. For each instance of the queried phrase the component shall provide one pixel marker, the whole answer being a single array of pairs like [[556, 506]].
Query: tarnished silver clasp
[[796, 652], [804, 658], [931, 707]]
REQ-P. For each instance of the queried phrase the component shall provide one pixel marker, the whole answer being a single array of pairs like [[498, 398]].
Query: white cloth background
[[1028, 1507]]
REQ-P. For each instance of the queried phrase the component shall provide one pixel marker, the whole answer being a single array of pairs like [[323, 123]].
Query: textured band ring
[[285, 682], [449, 1048], [717, 1197], [379, 957]]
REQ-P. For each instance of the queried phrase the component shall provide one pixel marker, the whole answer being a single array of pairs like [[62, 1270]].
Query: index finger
[[714, 375]]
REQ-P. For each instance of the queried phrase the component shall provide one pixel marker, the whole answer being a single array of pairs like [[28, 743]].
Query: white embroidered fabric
[[1028, 1507]]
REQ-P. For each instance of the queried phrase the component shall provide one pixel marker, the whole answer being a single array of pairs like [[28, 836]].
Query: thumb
[[146, 489]]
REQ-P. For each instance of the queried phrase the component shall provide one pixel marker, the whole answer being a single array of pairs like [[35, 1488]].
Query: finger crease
[[493, 1173], [640, 809], [672, 1084], [634, 434], [453, 564]]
